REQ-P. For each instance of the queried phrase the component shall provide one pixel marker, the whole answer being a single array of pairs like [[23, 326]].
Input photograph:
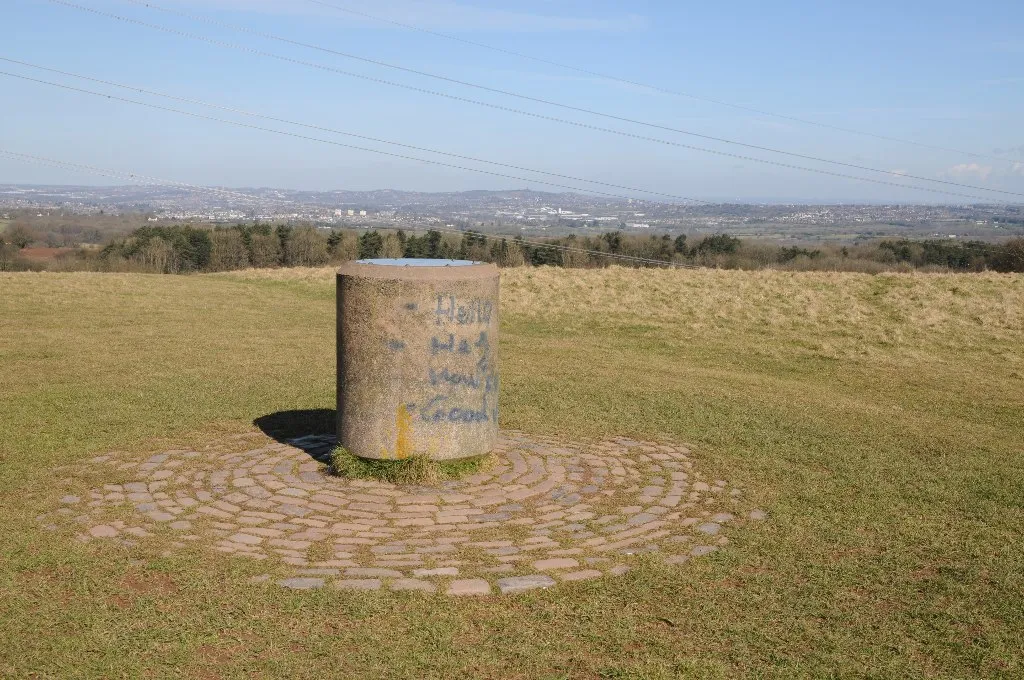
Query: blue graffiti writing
[[485, 352], [444, 376], [435, 412], [459, 415], [484, 365], [437, 346], [475, 311]]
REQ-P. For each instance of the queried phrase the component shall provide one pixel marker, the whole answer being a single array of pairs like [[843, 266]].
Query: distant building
[[351, 213], [362, 213]]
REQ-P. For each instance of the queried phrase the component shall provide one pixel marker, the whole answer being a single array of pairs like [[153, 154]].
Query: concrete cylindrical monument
[[417, 358]]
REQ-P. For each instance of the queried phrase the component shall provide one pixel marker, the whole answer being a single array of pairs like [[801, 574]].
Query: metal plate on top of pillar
[[417, 358]]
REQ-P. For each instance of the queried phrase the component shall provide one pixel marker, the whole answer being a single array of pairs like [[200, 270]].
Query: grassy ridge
[[879, 420]]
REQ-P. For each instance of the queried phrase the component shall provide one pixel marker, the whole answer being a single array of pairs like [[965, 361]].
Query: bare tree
[[265, 251], [392, 247], [347, 247], [1012, 259], [157, 255], [20, 236], [513, 257], [6, 257], [307, 248], [573, 256], [227, 251]]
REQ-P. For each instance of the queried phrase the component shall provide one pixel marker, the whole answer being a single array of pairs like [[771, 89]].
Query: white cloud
[[1018, 168], [970, 170]]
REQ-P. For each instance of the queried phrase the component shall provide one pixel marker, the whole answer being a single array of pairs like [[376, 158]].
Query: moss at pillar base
[[414, 470]]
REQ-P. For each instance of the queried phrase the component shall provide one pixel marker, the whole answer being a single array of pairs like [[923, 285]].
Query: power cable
[[135, 177], [230, 109], [388, 153], [300, 136], [654, 88], [563, 121], [376, 62]]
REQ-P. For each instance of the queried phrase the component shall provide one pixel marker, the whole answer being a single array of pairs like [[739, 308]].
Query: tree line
[[185, 249]]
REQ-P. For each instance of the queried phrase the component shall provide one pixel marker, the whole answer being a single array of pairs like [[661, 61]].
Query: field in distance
[[877, 419]]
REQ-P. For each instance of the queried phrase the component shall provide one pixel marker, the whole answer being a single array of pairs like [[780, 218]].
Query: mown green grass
[[879, 421]]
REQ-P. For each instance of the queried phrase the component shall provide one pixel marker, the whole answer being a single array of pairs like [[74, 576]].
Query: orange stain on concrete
[[403, 442]]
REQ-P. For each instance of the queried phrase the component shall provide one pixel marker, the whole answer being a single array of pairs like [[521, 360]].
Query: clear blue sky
[[939, 72]]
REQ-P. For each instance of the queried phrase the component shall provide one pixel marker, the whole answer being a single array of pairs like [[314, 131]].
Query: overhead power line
[[299, 136], [588, 126], [653, 88], [547, 102], [321, 128], [392, 154], [153, 181], [131, 176]]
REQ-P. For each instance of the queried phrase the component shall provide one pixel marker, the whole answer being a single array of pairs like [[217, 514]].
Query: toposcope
[[418, 358]]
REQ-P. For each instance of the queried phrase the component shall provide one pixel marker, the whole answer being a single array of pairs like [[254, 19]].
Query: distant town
[[517, 211]]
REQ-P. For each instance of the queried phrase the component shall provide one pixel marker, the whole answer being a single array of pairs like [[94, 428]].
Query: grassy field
[[879, 421]]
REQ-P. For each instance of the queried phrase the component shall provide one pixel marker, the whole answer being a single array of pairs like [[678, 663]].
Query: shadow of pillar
[[309, 430]]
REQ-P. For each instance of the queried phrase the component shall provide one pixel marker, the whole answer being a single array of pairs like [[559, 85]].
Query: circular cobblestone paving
[[545, 511]]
